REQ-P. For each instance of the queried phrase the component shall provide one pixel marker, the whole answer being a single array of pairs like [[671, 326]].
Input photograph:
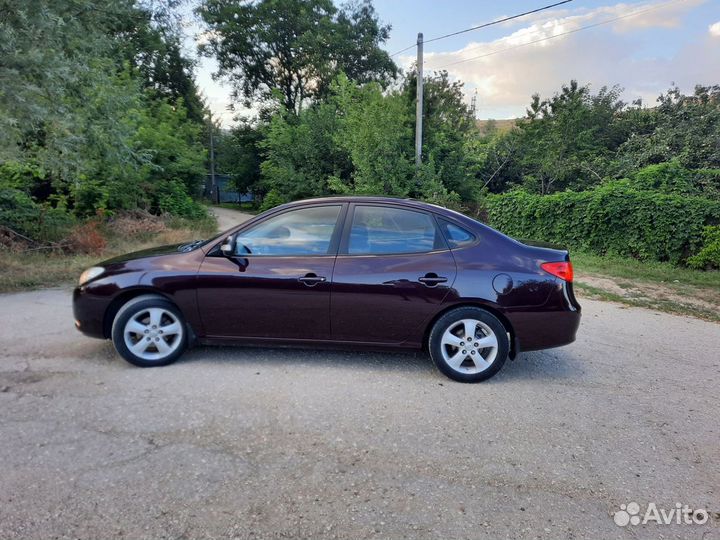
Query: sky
[[642, 46]]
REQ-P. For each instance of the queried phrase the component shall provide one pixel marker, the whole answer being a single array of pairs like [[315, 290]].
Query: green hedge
[[613, 218], [709, 255]]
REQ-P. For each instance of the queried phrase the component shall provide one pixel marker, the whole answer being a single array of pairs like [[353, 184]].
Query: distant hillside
[[500, 125]]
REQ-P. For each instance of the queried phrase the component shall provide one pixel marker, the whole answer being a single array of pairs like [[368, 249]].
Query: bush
[[709, 255], [672, 178], [21, 214], [271, 200], [18, 211], [89, 196], [173, 199], [613, 218], [87, 238], [668, 177], [136, 223]]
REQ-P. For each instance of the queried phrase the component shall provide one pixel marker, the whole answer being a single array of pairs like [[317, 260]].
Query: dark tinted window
[[455, 235], [306, 231], [378, 230]]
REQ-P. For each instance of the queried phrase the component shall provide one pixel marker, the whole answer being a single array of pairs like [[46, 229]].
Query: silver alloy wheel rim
[[153, 334], [469, 346]]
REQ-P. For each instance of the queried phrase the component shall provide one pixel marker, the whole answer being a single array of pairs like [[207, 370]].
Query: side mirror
[[227, 248]]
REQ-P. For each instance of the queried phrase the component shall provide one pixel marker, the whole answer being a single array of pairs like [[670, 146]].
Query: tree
[[448, 128], [359, 141], [566, 141], [682, 127], [151, 42], [302, 156], [238, 155], [290, 50], [82, 125], [376, 132]]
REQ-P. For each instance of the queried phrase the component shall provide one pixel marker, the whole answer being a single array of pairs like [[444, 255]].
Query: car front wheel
[[469, 344], [149, 331]]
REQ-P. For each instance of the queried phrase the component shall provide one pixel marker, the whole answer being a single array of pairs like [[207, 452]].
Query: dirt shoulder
[[671, 297]]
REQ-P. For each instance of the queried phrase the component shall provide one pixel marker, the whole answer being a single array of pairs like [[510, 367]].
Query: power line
[[484, 25], [607, 21], [402, 50], [499, 21]]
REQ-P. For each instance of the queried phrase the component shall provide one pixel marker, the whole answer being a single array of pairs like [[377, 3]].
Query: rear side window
[[455, 235], [378, 230]]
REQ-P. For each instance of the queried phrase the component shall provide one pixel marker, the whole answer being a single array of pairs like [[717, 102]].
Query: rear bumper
[[553, 325], [545, 330]]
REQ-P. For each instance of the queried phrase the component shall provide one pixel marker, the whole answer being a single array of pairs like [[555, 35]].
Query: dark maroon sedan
[[349, 271]]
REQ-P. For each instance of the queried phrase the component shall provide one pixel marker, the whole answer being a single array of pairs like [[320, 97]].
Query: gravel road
[[280, 443], [228, 218]]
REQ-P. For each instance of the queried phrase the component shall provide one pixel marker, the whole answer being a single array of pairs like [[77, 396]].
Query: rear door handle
[[311, 279], [431, 279]]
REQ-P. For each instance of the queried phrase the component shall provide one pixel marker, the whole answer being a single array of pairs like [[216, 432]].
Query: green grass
[[655, 285], [645, 271]]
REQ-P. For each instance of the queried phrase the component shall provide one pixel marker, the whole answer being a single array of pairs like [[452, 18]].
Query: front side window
[[378, 230], [306, 231]]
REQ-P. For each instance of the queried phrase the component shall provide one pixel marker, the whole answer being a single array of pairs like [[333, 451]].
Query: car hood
[[144, 254]]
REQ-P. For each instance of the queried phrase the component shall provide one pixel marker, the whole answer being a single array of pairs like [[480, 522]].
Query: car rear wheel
[[149, 331], [468, 344]]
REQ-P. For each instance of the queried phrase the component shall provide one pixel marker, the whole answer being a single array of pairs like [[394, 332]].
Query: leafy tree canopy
[[98, 106], [290, 50]]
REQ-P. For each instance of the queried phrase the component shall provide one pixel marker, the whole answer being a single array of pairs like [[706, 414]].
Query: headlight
[[90, 273]]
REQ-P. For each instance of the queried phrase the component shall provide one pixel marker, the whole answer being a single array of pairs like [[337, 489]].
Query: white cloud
[[508, 70], [518, 65]]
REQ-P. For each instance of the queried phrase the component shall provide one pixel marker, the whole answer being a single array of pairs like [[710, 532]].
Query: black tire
[[453, 317], [134, 308]]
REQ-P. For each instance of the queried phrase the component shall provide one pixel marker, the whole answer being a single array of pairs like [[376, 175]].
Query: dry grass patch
[[23, 268]]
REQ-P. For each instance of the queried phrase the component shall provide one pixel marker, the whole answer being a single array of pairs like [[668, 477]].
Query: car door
[[276, 283], [392, 272]]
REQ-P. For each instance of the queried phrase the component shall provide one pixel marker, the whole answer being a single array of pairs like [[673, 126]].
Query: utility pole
[[214, 192], [419, 103]]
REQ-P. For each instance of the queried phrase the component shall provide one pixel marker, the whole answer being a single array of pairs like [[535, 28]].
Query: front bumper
[[89, 312]]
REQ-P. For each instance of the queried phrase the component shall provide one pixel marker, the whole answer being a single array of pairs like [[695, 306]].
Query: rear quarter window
[[455, 235]]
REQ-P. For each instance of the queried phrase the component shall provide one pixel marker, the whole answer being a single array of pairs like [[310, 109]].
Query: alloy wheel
[[153, 333], [469, 346]]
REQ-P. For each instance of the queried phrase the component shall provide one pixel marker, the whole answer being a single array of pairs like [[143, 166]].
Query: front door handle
[[431, 279], [311, 279]]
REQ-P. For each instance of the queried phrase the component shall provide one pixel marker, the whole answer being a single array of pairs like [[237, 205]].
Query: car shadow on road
[[298, 357], [554, 364], [558, 364]]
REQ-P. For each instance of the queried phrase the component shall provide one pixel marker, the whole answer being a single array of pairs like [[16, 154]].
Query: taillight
[[563, 270]]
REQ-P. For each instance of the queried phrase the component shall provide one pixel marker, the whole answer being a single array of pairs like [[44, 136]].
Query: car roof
[[368, 199], [410, 203]]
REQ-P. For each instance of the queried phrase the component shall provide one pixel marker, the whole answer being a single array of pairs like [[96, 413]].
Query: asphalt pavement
[[284, 443]]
